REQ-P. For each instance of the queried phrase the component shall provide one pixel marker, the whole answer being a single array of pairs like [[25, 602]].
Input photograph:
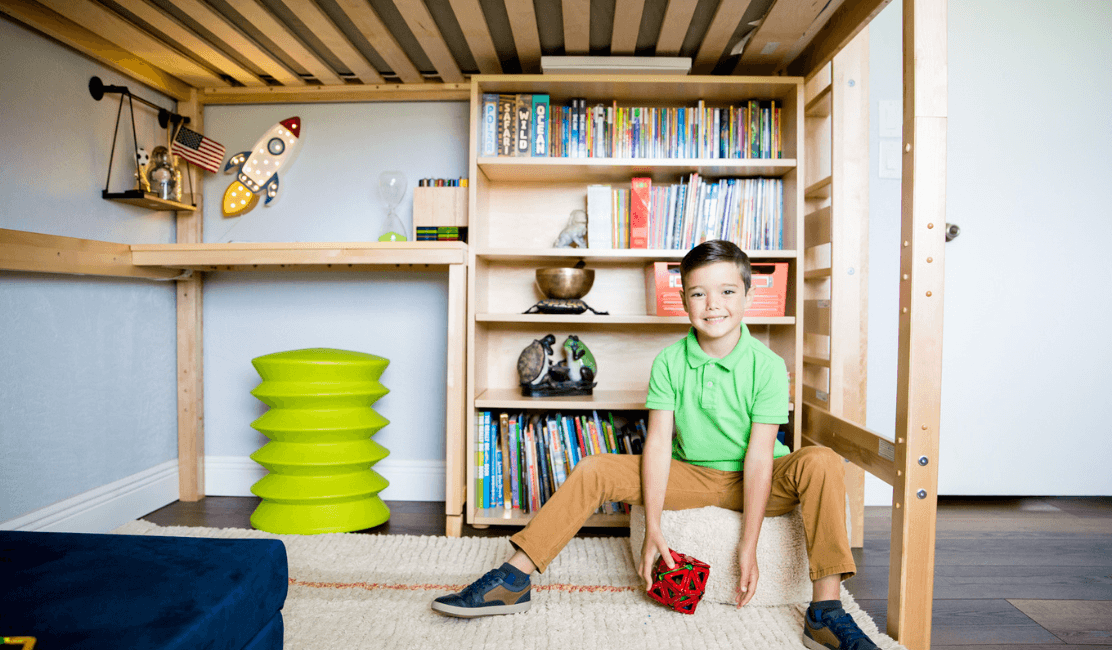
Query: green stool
[[320, 455]]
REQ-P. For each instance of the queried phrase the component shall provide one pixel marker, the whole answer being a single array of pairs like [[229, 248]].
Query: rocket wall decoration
[[257, 169]]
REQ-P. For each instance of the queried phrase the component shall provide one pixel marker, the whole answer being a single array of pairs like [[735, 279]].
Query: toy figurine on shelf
[[575, 232], [142, 159], [540, 376]]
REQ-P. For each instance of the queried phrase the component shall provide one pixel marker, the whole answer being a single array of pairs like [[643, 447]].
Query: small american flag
[[197, 149]]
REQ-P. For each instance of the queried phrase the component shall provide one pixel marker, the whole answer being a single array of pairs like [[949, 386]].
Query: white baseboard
[[410, 480], [107, 507]]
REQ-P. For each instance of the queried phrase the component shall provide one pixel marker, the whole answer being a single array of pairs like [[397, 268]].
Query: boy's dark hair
[[713, 251]]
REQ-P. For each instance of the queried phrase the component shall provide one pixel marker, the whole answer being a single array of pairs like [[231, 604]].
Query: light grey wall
[[87, 368], [1023, 409], [329, 195]]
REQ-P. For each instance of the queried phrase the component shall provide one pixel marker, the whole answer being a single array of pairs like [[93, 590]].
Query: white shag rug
[[374, 591]]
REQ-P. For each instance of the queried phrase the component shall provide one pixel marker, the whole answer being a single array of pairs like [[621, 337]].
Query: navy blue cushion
[[78, 590], [270, 637]]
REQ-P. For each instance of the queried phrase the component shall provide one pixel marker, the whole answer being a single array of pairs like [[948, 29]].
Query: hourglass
[[391, 189]]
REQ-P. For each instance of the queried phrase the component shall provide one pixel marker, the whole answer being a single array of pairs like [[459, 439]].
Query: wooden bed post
[[191, 417], [911, 574]]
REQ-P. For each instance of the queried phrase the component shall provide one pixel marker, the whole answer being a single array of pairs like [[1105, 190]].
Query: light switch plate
[[891, 165], [891, 119]]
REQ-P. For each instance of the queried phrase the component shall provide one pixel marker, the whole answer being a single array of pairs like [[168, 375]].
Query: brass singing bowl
[[565, 283]]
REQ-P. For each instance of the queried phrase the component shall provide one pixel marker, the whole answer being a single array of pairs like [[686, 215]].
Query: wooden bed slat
[[424, 28], [722, 27], [215, 58], [216, 23], [259, 16], [63, 29], [360, 13], [843, 25], [577, 26], [527, 40], [335, 40], [39, 253], [627, 23], [677, 20], [864, 448], [112, 27], [777, 34], [472, 22], [344, 93]]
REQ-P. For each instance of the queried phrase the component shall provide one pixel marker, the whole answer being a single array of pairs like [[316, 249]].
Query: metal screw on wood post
[[922, 494], [923, 460], [852, 83]]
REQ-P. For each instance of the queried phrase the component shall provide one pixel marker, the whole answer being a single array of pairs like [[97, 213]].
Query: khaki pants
[[813, 478]]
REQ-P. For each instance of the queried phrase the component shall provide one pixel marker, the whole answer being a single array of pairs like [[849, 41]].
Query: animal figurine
[[581, 363], [535, 361], [575, 232]]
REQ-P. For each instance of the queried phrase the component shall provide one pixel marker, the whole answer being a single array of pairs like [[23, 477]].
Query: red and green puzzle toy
[[680, 588]]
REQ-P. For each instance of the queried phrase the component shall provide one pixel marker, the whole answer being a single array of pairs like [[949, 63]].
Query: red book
[[584, 448], [639, 199]]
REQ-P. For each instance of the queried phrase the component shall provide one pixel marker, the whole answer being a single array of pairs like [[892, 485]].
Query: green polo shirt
[[716, 401]]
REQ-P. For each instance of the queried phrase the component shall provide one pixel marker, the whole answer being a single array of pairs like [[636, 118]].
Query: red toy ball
[[680, 588]]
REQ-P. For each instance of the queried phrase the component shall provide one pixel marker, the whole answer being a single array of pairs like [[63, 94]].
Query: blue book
[[489, 134], [541, 126]]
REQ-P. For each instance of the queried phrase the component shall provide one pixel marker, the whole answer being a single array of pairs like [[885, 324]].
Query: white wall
[[87, 368], [328, 195], [1027, 178]]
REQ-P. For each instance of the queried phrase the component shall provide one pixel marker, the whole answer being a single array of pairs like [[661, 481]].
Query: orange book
[[639, 201]]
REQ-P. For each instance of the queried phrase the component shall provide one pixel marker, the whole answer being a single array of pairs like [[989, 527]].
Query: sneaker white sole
[[812, 644], [475, 612]]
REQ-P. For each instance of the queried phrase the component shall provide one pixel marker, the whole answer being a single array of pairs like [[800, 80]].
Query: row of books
[[526, 125], [522, 458], [746, 211]]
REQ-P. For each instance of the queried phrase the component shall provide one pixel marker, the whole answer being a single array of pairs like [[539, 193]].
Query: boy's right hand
[[654, 545]]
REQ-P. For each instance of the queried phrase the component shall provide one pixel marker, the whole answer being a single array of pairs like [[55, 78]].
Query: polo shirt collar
[[697, 358]]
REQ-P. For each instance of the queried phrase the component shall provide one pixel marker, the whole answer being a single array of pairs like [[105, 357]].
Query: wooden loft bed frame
[[909, 463]]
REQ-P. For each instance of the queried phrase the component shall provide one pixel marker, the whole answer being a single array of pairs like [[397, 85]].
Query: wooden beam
[[96, 47], [864, 448], [360, 13], [527, 40], [673, 29], [473, 23], [190, 41], [627, 24], [221, 28], [258, 15], [112, 27], [39, 253], [577, 26], [844, 24], [345, 93], [424, 28], [337, 43], [191, 255], [722, 27], [456, 449], [782, 27], [919, 372], [849, 253], [190, 308]]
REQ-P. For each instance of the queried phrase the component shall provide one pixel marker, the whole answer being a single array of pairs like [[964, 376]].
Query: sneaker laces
[[846, 629], [489, 579]]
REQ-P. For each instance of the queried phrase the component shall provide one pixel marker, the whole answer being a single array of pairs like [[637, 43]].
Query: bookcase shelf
[[519, 205], [613, 170]]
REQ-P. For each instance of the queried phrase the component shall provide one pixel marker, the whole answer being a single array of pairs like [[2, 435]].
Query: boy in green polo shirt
[[724, 394]]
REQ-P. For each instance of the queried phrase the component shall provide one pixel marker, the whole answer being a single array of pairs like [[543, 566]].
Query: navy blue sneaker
[[504, 590], [833, 629]]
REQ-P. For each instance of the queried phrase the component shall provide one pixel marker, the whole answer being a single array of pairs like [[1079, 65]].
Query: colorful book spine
[[490, 125], [523, 125], [640, 195], [506, 110], [541, 126], [504, 473]]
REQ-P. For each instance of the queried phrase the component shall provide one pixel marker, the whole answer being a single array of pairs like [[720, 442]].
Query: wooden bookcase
[[518, 206]]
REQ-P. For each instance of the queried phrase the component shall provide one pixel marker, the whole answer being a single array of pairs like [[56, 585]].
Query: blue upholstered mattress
[[76, 590]]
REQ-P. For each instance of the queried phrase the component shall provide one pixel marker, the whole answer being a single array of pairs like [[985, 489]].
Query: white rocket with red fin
[[257, 169]]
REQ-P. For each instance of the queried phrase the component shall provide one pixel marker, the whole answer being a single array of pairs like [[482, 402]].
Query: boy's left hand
[[747, 568]]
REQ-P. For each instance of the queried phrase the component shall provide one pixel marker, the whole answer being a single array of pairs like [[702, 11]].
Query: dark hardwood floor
[[1025, 573]]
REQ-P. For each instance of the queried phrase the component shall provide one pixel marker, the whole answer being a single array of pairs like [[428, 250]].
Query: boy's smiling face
[[715, 298]]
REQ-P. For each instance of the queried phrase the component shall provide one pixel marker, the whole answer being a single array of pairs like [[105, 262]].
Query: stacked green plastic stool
[[320, 452]]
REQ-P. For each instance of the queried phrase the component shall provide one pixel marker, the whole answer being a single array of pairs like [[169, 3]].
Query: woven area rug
[[373, 591]]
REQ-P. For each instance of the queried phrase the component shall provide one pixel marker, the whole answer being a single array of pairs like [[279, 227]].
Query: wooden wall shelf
[[298, 256], [147, 200]]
